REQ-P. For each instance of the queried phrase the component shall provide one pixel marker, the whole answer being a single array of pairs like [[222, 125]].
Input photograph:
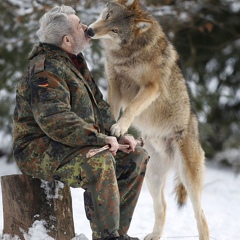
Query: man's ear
[[143, 24], [66, 41]]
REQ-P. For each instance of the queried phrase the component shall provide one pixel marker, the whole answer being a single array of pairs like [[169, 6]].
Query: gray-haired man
[[60, 115]]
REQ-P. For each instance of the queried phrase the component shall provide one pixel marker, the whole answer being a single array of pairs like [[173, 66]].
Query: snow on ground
[[221, 204]]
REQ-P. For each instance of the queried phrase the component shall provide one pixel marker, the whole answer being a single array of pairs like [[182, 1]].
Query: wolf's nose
[[90, 32]]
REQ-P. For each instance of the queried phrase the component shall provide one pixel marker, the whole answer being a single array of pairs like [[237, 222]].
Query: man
[[60, 115]]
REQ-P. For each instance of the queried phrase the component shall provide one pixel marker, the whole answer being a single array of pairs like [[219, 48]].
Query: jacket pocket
[[46, 94]]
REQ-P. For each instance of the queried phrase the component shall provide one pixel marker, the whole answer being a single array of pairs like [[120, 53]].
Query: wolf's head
[[121, 21]]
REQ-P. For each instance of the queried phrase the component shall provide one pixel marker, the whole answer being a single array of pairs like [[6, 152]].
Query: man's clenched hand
[[128, 140], [113, 143]]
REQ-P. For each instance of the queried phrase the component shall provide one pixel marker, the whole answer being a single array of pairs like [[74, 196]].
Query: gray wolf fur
[[144, 80]]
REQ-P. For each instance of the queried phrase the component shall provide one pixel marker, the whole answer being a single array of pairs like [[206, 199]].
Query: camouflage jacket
[[54, 100]]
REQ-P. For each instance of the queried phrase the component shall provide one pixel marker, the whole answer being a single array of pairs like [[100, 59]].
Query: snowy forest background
[[206, 33]]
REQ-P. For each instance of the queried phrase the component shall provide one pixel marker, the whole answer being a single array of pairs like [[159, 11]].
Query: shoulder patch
[[38, 63]]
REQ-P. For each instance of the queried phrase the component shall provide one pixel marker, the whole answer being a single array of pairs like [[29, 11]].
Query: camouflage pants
[[112, 186]]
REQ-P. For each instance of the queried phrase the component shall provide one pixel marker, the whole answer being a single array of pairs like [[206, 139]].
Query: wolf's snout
[[90, 32]]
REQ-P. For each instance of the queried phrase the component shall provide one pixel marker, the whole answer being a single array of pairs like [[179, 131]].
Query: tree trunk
[[27, 200]]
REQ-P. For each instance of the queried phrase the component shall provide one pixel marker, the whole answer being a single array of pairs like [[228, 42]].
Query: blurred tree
[[206, 34]]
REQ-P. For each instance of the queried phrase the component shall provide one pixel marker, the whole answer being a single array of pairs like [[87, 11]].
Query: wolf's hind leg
[[155, 178], [192, 171]]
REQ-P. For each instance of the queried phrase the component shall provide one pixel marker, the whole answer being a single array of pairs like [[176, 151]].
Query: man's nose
[[85, 27]]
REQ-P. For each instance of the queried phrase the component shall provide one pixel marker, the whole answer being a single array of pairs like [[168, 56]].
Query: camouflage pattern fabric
[[59, 116], [112, 188], [55, 102]]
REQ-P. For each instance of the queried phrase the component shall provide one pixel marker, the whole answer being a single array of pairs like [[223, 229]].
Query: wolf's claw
[[117, 131]]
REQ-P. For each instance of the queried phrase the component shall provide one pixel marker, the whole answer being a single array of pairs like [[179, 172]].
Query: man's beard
[[80, 45]]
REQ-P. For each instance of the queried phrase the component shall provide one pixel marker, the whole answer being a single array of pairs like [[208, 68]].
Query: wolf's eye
[[114, 30], [107, 17]]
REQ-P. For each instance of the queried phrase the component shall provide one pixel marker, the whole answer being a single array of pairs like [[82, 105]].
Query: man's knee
[[99, 167], [133, 164], [141, 157]]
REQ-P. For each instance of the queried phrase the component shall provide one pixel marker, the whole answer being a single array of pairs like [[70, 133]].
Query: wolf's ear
[[127, 3], [143, 24], [131, 2]]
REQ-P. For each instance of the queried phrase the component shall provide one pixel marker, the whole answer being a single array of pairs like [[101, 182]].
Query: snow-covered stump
[[28, 202]]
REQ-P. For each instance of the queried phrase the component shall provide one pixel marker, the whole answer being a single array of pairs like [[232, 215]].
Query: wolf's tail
[[181, 194]]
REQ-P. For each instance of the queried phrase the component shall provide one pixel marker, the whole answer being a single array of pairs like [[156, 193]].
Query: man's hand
[[113, 143], [126, 144], [128, 140]]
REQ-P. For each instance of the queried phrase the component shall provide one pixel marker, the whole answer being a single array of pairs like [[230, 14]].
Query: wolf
[[147, 85]]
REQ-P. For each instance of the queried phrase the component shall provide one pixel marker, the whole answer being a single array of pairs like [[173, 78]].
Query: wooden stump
[[28, 200]]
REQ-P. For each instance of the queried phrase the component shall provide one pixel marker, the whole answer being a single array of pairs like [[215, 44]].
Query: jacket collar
[[50, 49], [46, 48]]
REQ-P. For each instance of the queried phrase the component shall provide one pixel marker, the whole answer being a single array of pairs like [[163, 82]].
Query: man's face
[[80, 39]]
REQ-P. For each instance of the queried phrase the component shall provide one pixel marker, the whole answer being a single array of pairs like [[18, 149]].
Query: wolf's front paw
[[152, 236], [117, 130]]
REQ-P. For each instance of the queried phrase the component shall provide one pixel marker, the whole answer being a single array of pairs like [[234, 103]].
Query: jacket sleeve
[[52, 111], [104, 108]]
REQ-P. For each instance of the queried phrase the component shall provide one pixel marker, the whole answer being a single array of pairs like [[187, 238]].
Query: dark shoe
[[107, 238], [111, 238], [126, 237], [121, 237]]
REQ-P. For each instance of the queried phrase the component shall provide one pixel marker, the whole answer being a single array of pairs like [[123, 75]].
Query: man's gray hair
[[54, 25]]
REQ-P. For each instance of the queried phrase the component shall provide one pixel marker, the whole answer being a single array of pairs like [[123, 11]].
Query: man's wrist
[[125, 135]]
